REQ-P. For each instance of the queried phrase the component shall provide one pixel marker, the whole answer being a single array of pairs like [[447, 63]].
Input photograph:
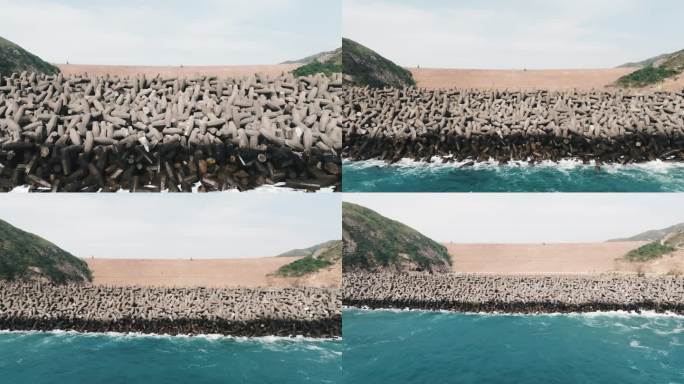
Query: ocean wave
[[628, 314], [517, 176], [210, 337], [436, 162], [613, 314]]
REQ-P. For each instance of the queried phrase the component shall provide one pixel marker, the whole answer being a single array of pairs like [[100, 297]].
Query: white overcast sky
[[527, 218], [507, 34], [159, 226], [174, 32]]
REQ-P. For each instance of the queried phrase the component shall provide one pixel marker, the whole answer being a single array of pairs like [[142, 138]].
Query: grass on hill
[[649, 251], [646, 76], [303, 267], [310, 264], [316, 66]]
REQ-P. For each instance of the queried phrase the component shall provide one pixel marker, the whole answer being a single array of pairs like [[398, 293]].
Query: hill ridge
[[653, 234], [320, 56], [306, 251]]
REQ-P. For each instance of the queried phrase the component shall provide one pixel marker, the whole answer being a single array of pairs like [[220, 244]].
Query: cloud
[[174, 226], [497, 34], [208, 32], [527, 217]]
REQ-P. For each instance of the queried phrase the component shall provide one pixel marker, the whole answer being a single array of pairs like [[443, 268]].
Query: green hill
[[655, 70], [25, 256], [14, 58], [365, 67], [376, 243], [324, 62], [325, 256]]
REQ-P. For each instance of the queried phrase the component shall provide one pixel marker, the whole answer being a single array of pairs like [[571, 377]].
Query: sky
[[505, 34], [175, 32], [170, 226], [527, 218]]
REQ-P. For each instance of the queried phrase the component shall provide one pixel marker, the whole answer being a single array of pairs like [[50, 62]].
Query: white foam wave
[[266, 188], [636, 344], [628, 314], [269, 188], [655, 166], [20, 189], [675, 331], [212, 337], [614, 314]]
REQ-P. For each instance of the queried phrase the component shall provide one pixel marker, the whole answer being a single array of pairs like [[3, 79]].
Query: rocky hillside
[[363, 66], [321, 56], [14, 58], [675, 239], [372, 242], [644, 63], [327, 254], [655, 234], [25, 256], [654, 70]]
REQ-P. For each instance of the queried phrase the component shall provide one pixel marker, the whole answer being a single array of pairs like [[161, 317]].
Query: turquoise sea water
[[66, 357], [564, 176], [437, 347]]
